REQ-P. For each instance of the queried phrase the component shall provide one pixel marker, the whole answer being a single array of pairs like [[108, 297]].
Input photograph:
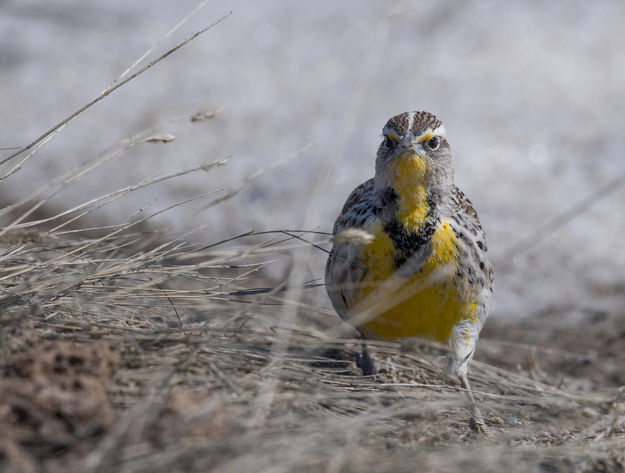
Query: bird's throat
[[408, 181]]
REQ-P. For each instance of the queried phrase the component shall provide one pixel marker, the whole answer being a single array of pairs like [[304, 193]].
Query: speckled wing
[[467, 227], [343, 270]]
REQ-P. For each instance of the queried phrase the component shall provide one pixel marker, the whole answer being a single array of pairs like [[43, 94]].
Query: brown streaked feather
[[469, 229], [359, 208], [343, 270]]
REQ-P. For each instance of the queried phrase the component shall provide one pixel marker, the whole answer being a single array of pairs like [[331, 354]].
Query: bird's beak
[[412, 148]]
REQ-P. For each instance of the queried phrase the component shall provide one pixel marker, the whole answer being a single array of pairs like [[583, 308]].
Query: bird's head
[[414, 152]]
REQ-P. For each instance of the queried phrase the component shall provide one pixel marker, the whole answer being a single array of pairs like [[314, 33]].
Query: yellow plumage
[[407, 175], [426, 305]]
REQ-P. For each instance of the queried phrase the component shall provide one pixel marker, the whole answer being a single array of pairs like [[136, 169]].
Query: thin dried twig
[[113, 88]]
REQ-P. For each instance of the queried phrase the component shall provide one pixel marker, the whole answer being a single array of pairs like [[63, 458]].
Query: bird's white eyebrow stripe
[[440, 131]]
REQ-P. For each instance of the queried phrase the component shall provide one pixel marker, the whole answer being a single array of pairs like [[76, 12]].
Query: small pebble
[[511, 420], [589, 412]]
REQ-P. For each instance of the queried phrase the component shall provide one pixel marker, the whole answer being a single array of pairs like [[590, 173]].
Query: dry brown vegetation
[[117, 357]]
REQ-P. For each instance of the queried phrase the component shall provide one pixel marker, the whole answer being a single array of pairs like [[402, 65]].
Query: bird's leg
[[476, 415], [365, 362]]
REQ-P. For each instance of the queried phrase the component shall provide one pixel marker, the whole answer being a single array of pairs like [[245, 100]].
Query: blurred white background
[[531, 93]]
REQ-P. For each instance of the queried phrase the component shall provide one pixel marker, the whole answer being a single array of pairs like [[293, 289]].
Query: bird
[[409, 256]]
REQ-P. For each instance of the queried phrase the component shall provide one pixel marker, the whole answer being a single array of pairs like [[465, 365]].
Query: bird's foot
[[477, 424], [366, 364]]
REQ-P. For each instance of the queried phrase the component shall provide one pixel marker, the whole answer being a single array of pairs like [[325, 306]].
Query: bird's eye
[[388, 142], [433, 143]]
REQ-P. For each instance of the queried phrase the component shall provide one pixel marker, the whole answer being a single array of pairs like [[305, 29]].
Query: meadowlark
[[409, 256]]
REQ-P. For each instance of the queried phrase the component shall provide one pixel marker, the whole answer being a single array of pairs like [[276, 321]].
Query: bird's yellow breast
[[425, 304]]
